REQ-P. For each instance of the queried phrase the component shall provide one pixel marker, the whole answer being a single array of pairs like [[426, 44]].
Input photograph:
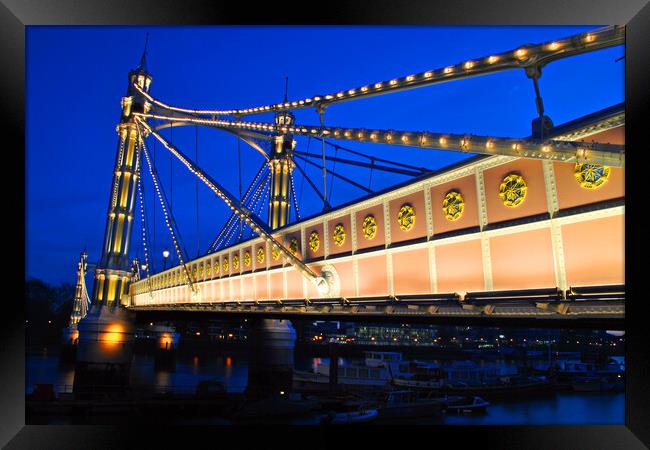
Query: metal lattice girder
[[525, 56], [568, 151], [248, 216]]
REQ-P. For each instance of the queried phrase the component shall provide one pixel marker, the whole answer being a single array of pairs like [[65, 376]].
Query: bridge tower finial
[[143, 58], [281, 165], [286, 89]]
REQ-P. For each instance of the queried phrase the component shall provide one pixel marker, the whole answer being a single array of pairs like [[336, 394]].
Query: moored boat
[[376, 372], [408, 403], [465, 404], [597, 384], [349, 417]]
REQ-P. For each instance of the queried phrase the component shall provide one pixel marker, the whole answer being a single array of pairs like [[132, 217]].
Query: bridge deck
[[565, 234]]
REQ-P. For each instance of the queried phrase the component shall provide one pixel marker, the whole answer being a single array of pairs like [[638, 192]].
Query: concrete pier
[[271, 344], [166, 347], [69, 341], [104, 349]]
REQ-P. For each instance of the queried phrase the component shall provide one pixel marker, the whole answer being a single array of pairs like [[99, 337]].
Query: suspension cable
[[252, 203], [169, 218], [321, 115], [302, 181], [522, 57], [153, 209], [311, 183], [196, 188], [232, 215], [171, 171], [144, 230], [336, 152], [370, 165], [233, 225], [370, 157], [250, 218], [295, 200], [241, 224], [352, 182], [568, 151]]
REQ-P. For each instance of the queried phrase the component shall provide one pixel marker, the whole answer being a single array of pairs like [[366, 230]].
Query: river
[[231, 368]]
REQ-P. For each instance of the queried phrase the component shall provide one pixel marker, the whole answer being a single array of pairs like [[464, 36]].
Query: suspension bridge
[[526, 227]]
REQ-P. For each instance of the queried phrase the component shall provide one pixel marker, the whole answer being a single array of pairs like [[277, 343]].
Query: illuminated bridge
[[529, 227]]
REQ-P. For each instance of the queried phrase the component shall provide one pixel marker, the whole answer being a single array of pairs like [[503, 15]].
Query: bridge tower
[[281, 166], [80, 306], [81, 300], [106, 333], [273, 341], [113, 273]]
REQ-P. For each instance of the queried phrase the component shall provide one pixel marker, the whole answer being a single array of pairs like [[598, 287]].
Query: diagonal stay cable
[[232, 215], [353, 183], [248, 216], [352, 162], [169, 218], [387, 161], [311, 183]]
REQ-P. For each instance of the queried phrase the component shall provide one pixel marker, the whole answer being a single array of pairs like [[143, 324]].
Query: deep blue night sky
[[76, 77]]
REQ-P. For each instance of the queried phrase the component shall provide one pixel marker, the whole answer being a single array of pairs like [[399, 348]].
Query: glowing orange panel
[[277, 285], [347, 243], [319, 250], [535, 200], [378, 213], [411, 272], [571, 194], [523, 260], [594, 251], [373, 279], [419, 228], [469, 218], [248, 293], [261, 287], [235, 289], [459, 267], [259, 265], [288, 238], [275, 262], [294, 284], [346, 278], [251, 256]]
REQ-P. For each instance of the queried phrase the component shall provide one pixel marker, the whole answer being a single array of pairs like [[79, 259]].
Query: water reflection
[[232, 369]]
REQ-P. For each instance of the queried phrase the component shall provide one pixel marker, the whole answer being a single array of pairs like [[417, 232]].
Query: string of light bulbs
[[161, 198]]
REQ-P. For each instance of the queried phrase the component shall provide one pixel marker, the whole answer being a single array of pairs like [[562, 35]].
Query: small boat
[[376, 372], [565, 371], [345, 409], [406, 404], [465, 404], [350, 417], [276, 406], [596, 384], [507, 386]]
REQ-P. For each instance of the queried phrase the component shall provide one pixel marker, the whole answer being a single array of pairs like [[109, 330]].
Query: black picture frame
[[15, 15]]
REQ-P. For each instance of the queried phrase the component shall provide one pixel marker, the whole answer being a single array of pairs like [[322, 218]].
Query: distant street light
[[144, 267], [165, 256]]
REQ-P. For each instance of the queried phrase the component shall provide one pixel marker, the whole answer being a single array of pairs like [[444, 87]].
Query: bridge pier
[[166, 347], [104, 349], [271, 345], [70, 339]]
